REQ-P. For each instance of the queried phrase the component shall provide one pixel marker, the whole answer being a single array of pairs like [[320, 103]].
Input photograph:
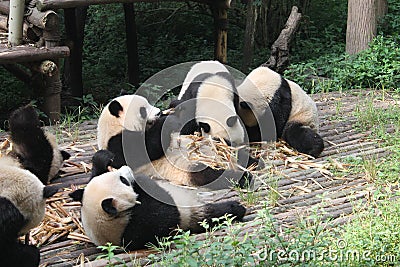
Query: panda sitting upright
[[131, 120], [265, 96], [36, 150], [22, 195], [208, 103]]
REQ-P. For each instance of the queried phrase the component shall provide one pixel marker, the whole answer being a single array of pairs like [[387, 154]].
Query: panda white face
[[215, 111], [130, 112], [105, 199]]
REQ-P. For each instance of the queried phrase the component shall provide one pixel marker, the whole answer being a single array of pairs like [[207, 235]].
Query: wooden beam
[[61, 4], [30, 53]]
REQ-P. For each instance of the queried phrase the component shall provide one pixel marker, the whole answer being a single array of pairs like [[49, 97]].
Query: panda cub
[[208, 103], [131, 120], [36, 150], [267, 100], [22, 207], [133, 210]]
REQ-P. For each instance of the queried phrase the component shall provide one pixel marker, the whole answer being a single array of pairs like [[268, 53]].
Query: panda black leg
[[20, 255], [303, 139], [217, 210], [101, 160]]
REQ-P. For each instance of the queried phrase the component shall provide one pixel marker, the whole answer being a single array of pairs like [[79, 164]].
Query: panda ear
[[246, 105], [77, 195], [143, 112], [231, 121], [205, 126], [115, 108], [108, 207], [49, 191], [65, 155]]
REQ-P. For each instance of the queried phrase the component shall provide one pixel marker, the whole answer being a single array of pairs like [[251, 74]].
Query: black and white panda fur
[[294, 112], [36, 150], [133, 210], [208, 103], [179, 166], [22, 207], [132, 120]]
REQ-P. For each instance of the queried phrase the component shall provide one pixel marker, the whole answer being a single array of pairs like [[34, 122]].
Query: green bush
[[376, 67]]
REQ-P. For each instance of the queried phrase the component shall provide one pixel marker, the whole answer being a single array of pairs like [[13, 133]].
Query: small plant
[[109, 255]]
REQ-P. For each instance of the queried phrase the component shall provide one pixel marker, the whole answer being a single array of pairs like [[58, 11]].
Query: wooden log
[[3, 22], [53, 86], [58, 4], [19, 72], [42, 20], [30, 53], [5, 7], [47, 67], [279, 59], [15, 22]]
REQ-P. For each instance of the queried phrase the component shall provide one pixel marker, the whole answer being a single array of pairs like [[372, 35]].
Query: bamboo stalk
[[16, 17]]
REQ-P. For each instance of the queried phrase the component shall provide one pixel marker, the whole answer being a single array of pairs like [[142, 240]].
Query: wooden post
[[131, 44], [52, 84], [15, 22], [220, 13], [74, 21]]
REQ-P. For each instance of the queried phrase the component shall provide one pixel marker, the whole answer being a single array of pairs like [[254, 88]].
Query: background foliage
[[171, 33]]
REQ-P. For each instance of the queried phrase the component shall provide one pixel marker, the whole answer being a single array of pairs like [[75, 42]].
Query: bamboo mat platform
[[297, 183]]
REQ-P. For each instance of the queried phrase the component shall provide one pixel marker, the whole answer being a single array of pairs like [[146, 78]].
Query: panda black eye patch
[[143, 112], [231, 121], [124, 180], [205, 126]]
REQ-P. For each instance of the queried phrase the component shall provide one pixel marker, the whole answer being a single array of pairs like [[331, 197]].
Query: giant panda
[[22, 207], [208, 103], [130, 119], [180, 168], [36, 150], [295, 114], [133, 210], [208, 66]]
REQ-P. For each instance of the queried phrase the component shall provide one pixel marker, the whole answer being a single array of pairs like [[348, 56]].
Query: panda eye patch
[[124, 180], [143, 112]]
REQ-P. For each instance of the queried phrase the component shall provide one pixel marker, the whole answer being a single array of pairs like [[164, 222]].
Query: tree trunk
[[251, 19], [74, 28], [220, 14], [361, 25], [131, 44], [381, 8]]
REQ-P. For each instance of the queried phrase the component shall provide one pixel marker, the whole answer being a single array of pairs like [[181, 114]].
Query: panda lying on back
[[36, 150], [295, 114], [133, 210]]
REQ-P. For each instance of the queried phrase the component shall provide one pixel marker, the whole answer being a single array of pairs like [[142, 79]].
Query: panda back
[[304, 109]]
